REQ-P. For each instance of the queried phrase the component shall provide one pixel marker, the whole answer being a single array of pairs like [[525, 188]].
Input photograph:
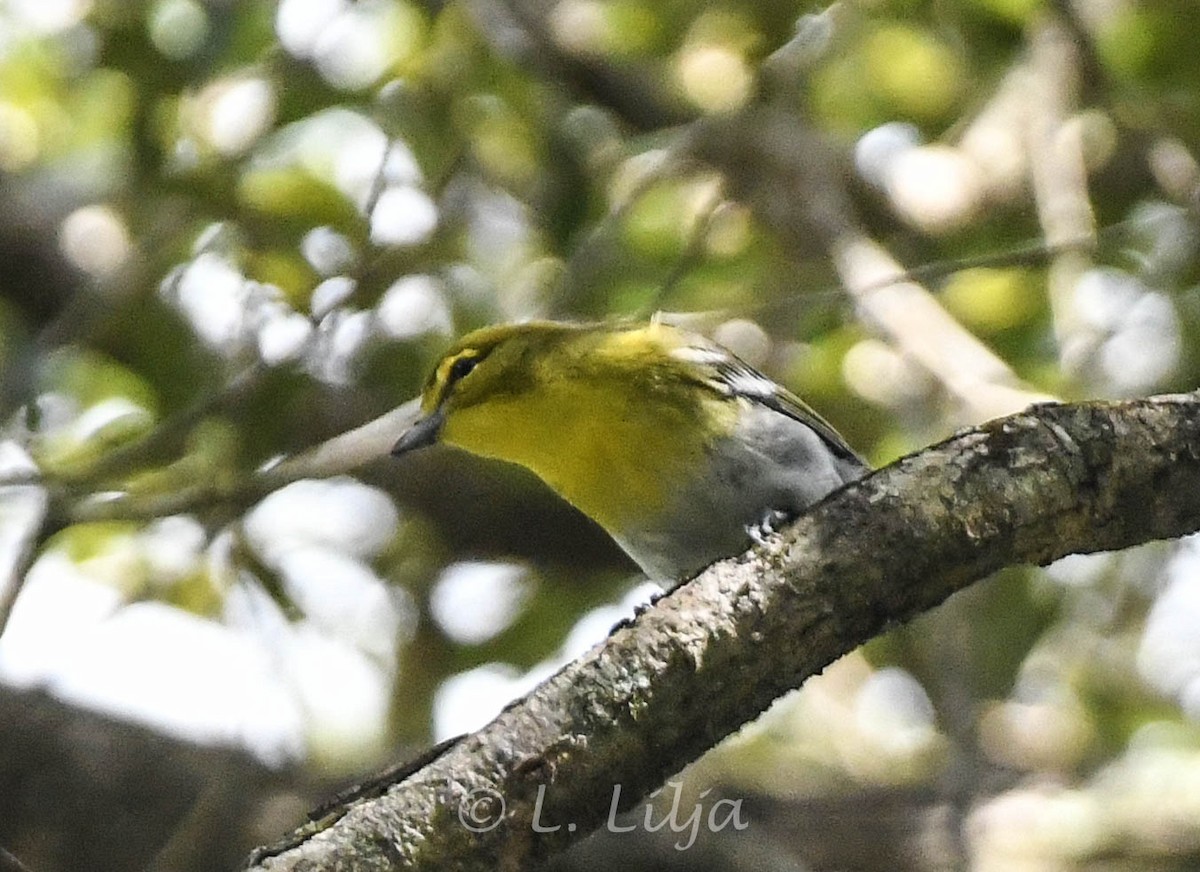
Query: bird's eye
[[461, 367]]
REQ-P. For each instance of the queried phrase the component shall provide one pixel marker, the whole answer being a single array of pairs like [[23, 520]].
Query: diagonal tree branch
[[713, 654]]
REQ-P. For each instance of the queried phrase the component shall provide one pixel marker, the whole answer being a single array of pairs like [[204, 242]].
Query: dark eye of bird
[[461, 367]]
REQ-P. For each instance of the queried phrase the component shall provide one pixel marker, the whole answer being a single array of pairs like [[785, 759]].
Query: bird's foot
[[767, 526]]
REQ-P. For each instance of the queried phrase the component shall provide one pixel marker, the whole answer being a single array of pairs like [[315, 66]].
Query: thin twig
[[25, 549], [9, 863], [915, 321], [335, 456], [1059, 180], [126, 457]]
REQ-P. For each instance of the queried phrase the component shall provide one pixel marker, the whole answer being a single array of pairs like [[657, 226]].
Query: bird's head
[[499, 366]]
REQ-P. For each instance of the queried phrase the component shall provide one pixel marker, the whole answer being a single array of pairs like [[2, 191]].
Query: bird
[[682, 452]]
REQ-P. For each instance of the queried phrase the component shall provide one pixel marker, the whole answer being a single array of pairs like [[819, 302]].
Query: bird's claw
[[767, 526]]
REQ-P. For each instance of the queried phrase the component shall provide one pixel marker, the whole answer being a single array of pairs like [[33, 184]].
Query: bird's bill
[[420, 435]]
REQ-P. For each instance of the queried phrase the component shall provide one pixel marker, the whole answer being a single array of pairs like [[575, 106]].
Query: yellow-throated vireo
[[682, 452]]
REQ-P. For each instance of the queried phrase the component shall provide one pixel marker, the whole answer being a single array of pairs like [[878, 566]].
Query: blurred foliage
[[231, 230]]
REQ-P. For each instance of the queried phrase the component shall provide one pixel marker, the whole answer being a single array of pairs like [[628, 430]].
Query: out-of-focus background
[[231, 229]]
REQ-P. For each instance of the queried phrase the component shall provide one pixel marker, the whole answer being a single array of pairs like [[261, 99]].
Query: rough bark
[[713, 654]]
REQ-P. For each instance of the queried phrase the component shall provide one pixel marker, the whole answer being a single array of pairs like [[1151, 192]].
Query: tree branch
[[714, 653]]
